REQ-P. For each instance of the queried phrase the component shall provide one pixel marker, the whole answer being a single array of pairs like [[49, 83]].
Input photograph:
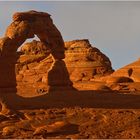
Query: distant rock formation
[[131, 71], [82, 61], [35, 47], [85, 62]]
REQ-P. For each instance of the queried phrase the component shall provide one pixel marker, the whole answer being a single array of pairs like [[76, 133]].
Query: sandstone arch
[[27, 24]]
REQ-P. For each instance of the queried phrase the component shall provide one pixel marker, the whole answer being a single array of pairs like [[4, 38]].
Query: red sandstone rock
[[118, 79], [79, 60], [84, 61], [30, 15], [131, 71], [25, 25], [35, 47], [28, 24]]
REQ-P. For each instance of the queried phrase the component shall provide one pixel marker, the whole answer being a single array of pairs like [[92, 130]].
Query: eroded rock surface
[[73, 123], [131, 71], [26, 25], [82, 61], [85, 62]]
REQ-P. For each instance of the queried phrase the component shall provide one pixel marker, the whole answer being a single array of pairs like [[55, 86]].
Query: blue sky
[[113, 27]]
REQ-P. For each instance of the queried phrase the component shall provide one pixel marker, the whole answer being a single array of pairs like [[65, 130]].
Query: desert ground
[[73, 114]]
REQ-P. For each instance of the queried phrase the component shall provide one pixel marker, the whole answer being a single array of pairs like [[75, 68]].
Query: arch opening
[[28, 40]]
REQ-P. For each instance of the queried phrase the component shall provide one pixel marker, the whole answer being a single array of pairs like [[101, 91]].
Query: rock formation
[[131, 71], [83, 62], [48, 64], [35, 47], [37, 99], [26, 25]]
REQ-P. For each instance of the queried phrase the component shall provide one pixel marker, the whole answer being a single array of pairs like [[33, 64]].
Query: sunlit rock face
[[50, 61], [82, 61], [26, 25], [131, 71], [85, 62]]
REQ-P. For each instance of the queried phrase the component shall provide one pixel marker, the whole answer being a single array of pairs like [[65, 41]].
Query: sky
[[111, 26]]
